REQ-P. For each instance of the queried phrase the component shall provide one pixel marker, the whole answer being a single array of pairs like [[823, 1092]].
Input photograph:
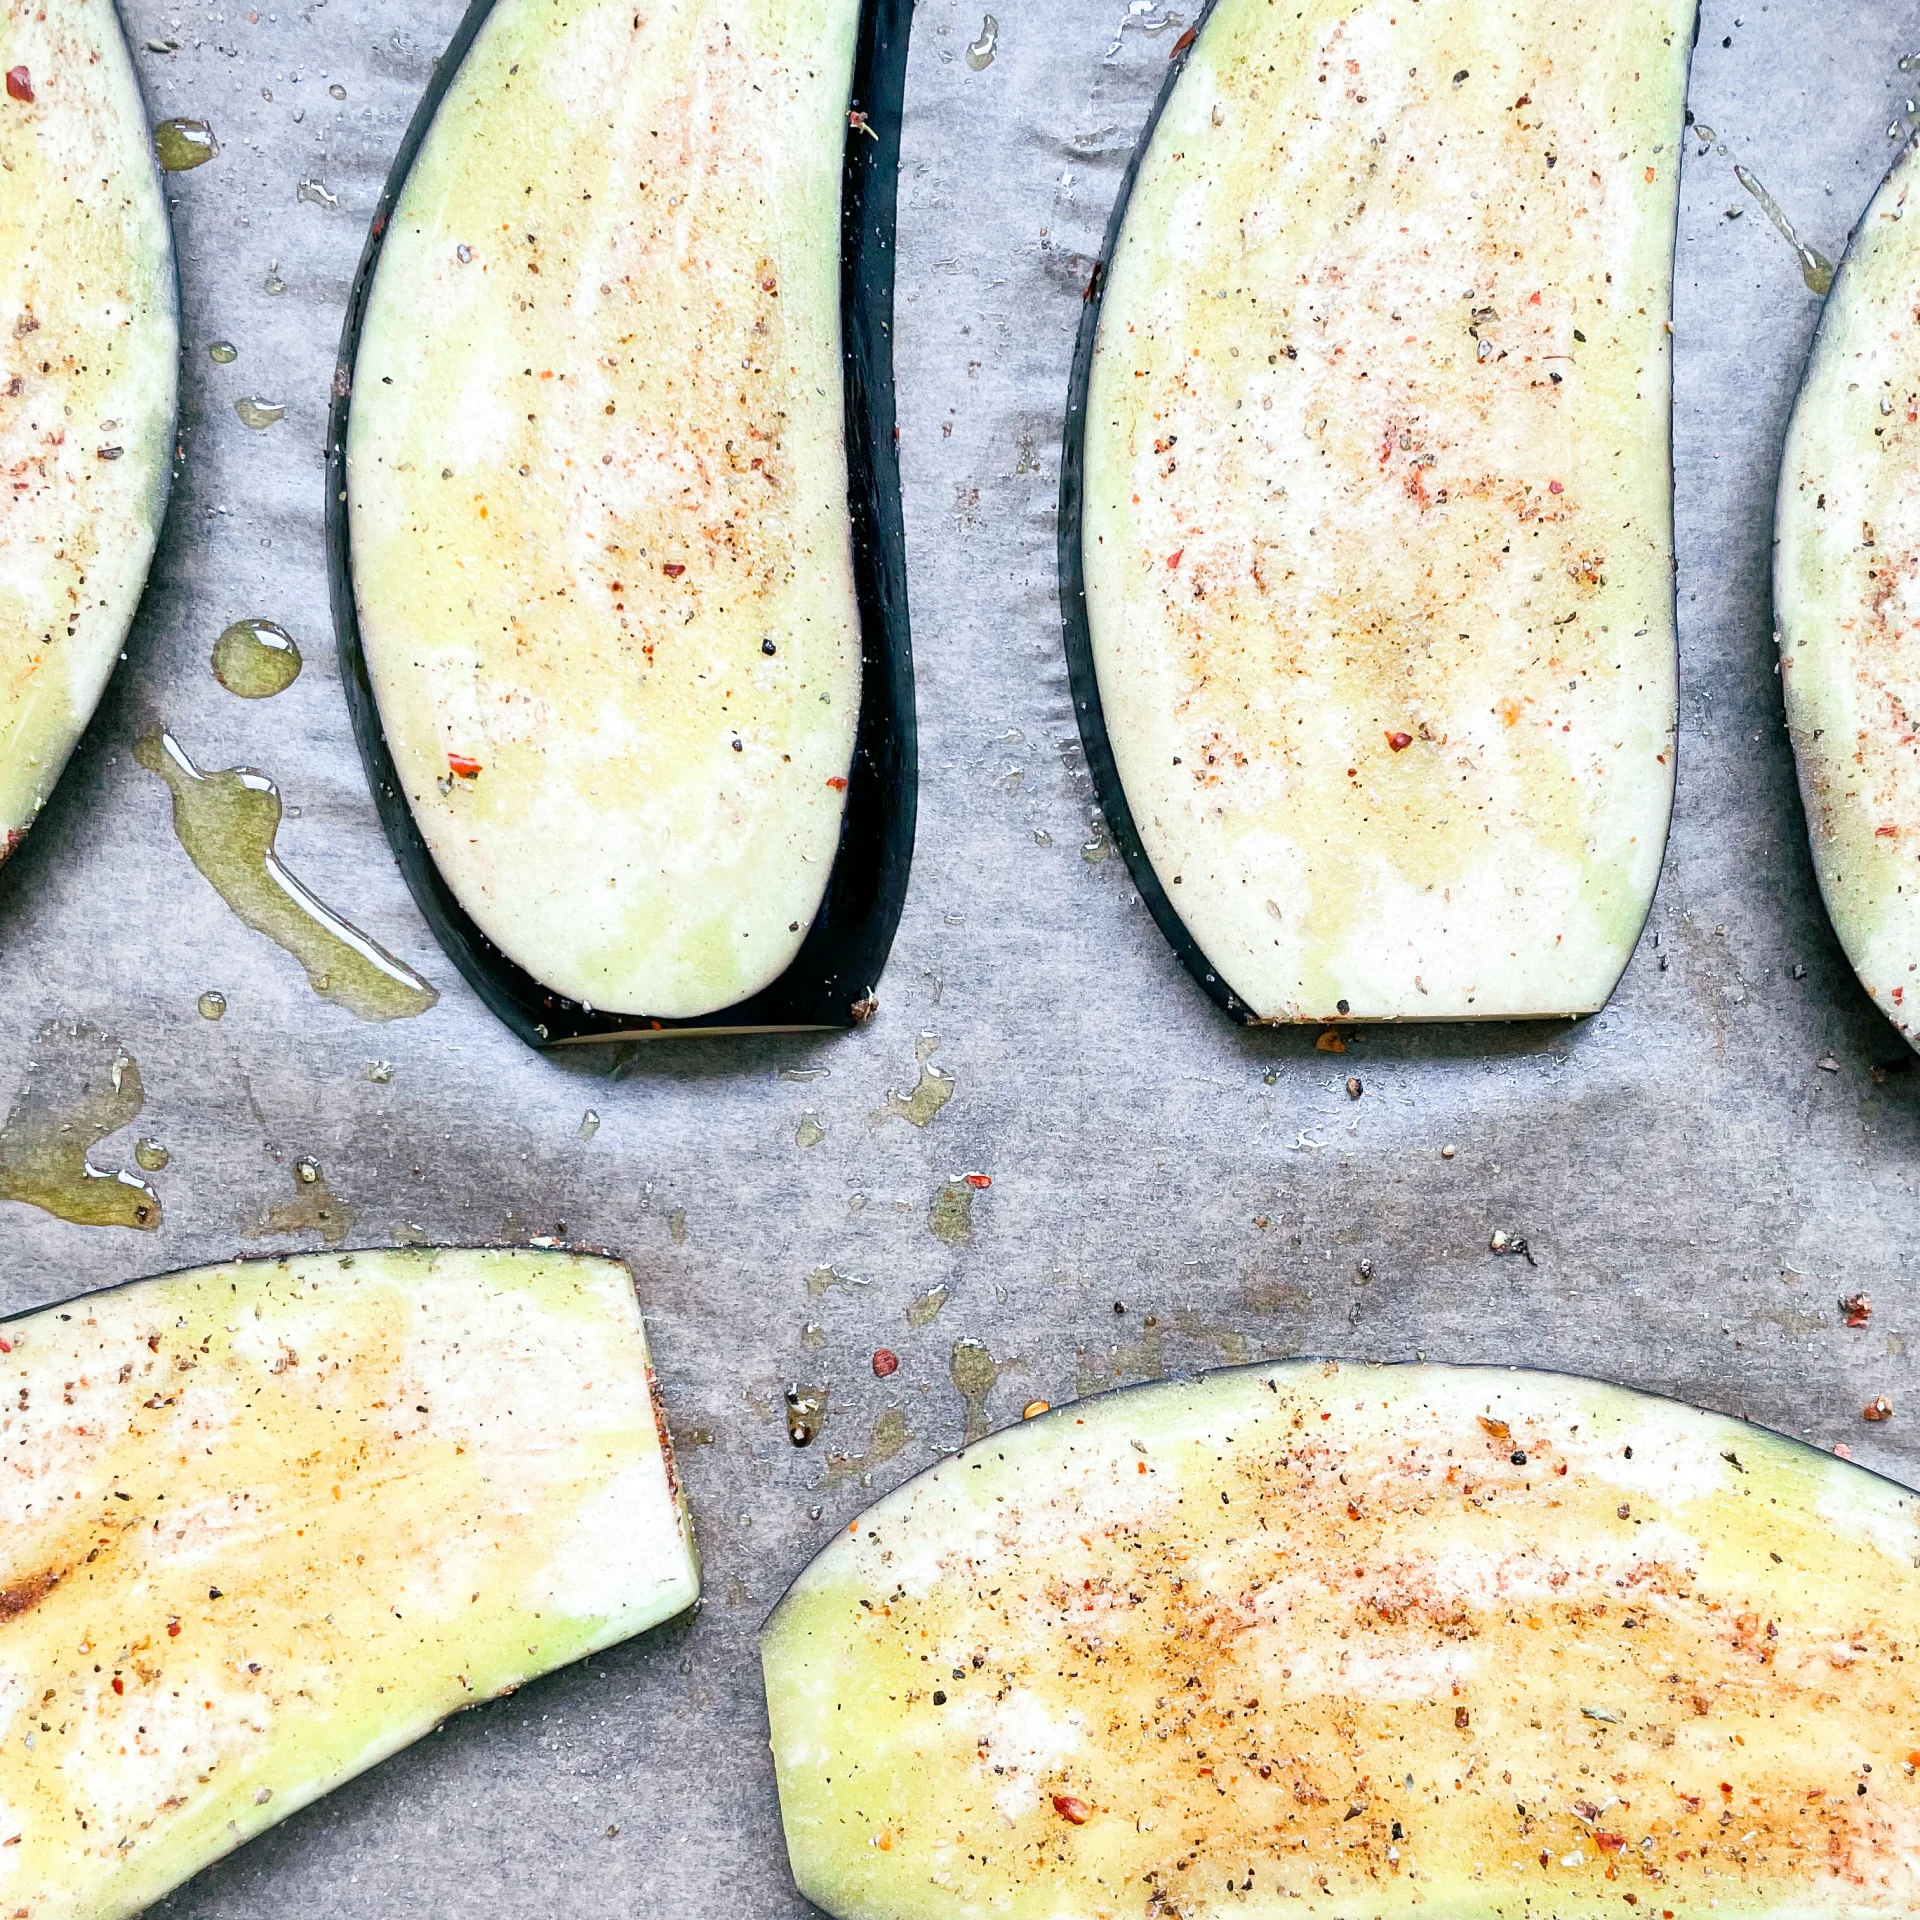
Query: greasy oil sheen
[[598, 492], [1377, 528], [88, 351], [1306, 1640], [213, 1608], [1847, 590], [228, 822]]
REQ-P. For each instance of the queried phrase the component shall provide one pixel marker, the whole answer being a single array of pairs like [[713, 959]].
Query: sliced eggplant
[[1365, 1642], [1846, 595], [263, 1525], [1366, 532], [618, 567], [89, 375]]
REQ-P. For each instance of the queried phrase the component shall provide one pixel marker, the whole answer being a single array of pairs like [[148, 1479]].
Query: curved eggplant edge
[[1083, 680], [161, 502], [1830, 306], [1271, 1369], [831, 983]]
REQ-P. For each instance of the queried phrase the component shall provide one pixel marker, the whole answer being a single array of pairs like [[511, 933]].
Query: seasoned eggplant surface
[[88, 381], [1847, 599], [1361, 1641], [1367, 544], [263, 1525]]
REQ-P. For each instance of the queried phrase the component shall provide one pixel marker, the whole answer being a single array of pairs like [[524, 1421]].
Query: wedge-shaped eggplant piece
[[1312, 1640], [88, 379], [1847, 600], [618, 563], [263, 1525], [1366, 531]]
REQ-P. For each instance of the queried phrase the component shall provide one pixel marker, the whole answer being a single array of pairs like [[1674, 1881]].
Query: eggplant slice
[[89, 381], [1366, 533], [1847, 600], [1369, 1642], [263, 1525], [614, 517]]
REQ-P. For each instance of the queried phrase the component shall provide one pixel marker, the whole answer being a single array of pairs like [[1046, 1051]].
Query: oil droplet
[[1815, 268], [80, 1086], [980, 52], [950, 1214], [924, 1310], [810, 1132], [887, 1442], [313, 193], [934, 1090], [273, 283], [806, 1414], [314, 1208], [813, 1336], [181, 145], [974, 1373], [259, 414], [256, 659], [1146, 1358], [223, 353], [151, 1155], [213, 1005], [677, 1226], [739, 1594], [380, 1072], [589, 1124], [1149, 16], [823, 1280], [227, 822]]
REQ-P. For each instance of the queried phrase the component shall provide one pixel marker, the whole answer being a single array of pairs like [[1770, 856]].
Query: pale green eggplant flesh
[[1847, 600], [598, 477], [1361, 1642], [263, 1525], [89, 349], [1376, 512]]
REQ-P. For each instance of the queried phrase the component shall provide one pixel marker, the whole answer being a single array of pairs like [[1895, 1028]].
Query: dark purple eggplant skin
[[834, 977]]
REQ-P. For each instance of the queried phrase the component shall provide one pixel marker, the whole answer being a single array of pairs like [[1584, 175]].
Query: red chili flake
[[838, 784], [1071, 1808], [1399, 742], [1535, 301], [6, 1346], [1555, 487], [1092, 292], [467, 769], [119, 1685], [173, 1629], [885, 1361], [980, 1182], [1858, 1307], [1879, 1408], [20, 85], [1842, 1451], [1330, 1042], [1608, 1842], [672, 569], [1176, 556], [1184, 42]]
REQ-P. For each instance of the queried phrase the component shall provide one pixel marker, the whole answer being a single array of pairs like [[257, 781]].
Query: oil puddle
[[811, 1131], [934, 1089], [887, 1442], [1146, 1358], [924, 1310], [950, 1212], [975, 1373], [1815, 268], [314, 1209], [1149, 16], [806, 1413], [259, 414], [823, 1280], [256, 659], [81, 1085], [980, 52], [227, 822], [181, 145]]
